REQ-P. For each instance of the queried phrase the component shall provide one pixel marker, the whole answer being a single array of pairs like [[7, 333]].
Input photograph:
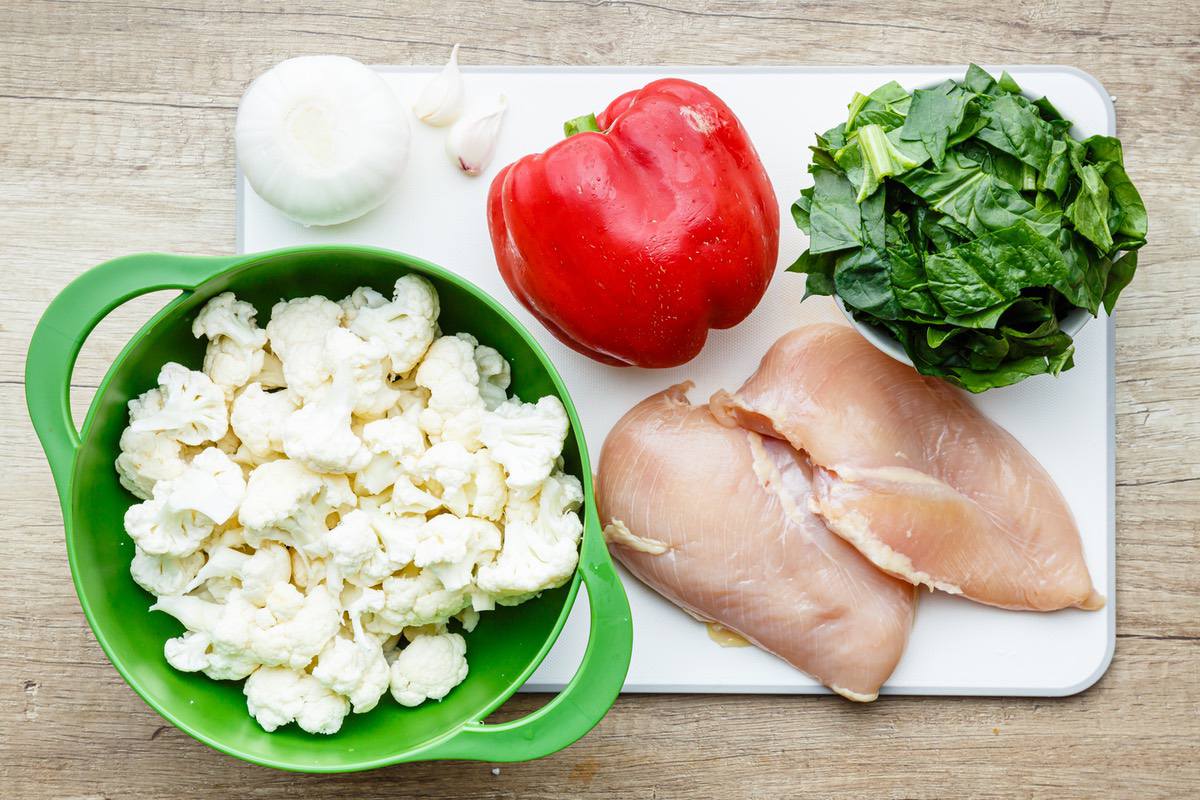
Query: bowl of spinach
[[964, 230]]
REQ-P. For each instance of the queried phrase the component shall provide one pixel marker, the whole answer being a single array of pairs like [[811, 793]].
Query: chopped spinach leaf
[[967, 222]]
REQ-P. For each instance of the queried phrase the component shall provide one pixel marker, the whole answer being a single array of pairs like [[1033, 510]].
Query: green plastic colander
[[503, 650]]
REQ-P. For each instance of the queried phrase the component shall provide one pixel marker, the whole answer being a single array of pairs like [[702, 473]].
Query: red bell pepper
[[652, 223]]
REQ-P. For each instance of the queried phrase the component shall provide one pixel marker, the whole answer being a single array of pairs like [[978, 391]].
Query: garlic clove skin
[[322, 138], [471, 143], [441, 101]]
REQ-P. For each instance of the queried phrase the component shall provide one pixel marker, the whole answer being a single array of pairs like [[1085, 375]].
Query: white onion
[[322, 138]]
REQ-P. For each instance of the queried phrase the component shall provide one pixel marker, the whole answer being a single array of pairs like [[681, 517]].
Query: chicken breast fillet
[[716, 520], [910, 473]]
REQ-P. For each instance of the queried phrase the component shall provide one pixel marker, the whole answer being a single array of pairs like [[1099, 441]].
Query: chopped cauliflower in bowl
[[346, 495], [309, 471]]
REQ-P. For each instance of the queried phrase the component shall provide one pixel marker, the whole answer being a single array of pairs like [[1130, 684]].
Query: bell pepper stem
[[581, 124]]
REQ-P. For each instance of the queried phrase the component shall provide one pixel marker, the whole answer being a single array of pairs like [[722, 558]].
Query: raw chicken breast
[[716, 519], [916, 478]]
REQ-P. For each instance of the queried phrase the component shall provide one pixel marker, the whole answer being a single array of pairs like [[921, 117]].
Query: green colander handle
[[582, 702], [65, 326]]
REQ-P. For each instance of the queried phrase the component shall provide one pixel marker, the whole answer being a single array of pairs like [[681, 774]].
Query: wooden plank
[[116, 138]]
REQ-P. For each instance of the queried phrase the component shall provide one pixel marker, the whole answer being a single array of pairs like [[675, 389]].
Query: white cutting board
[[957, 647]]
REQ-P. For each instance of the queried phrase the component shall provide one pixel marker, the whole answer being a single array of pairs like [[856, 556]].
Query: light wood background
[[116, 125]]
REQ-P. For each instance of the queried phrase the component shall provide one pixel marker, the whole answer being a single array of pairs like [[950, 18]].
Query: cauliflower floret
[[190, 653], [217, 590], [230, 365], [362, 297], [258, 417], [457, 414], [541, 543], [228, 444], [147, 458], [463, 428], [276, 696], [235, 344], [356, 551], [159, 574], [367, 362], [369, 545], [411, 598], [256, 573], [451, 375], [428, 668], [308, 572], [395, 444], [187, 406], [526, 439], [218, 638], [297, 332], [320, 435], [359, 601], [488, 494], [356, 668], [289, 631], [448, 470], [230, 534], [495, 375], [411, 400], [408, 498], [468, 618], [451, 547], [405, 326], [297, 626], [271, 375], [466, 483], [212, 485], [287, 502], [182, 512], [227, 316]]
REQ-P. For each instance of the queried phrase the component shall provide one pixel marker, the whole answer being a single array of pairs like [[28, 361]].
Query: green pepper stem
[[581, 124]]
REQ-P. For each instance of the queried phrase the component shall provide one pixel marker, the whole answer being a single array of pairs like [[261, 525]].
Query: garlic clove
[[441, 100], [471, 143]]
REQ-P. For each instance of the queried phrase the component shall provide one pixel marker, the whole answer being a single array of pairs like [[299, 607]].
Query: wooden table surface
[[116, 122]]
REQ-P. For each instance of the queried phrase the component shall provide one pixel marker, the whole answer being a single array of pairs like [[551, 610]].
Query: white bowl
[[1071, 324]]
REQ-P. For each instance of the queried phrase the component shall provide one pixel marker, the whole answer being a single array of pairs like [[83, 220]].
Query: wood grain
[[115, 137]]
